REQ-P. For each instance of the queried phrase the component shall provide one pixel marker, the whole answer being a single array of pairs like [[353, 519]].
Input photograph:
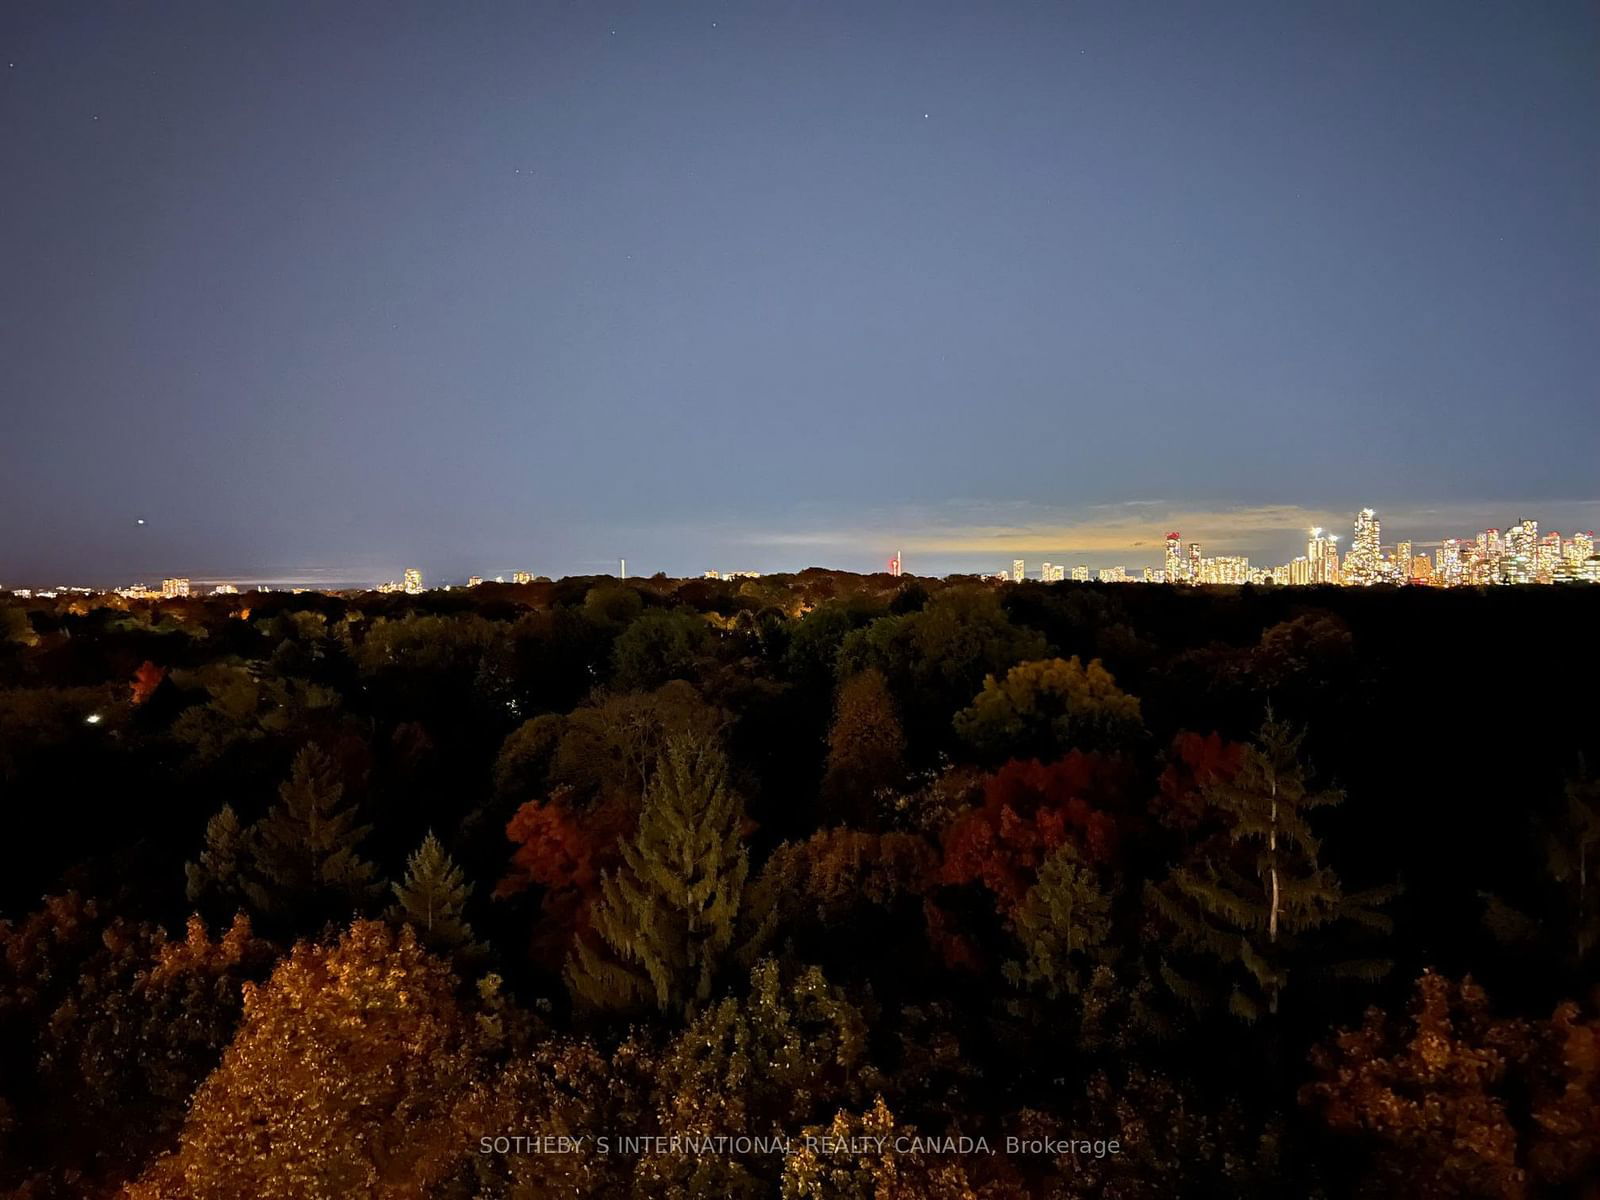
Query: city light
[[1521, 556]]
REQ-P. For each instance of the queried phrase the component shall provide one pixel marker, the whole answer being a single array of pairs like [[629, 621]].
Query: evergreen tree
[[432, 900], [220, 871], [1255, 908], [305, 847], [1062, 922], [668, 915]]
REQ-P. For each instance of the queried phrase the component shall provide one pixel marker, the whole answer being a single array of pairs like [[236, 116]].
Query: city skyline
[[1521, 552]]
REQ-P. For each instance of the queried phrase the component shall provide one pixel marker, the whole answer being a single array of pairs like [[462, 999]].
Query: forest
[[820, 886]]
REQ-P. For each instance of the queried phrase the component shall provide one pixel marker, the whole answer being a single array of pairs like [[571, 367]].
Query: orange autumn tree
[[1453, 1101], [345, 1079]]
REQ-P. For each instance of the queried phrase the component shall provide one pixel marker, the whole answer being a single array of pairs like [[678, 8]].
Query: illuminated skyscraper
[[1174, 562], [1019, 570], [413, 581], [1323, 555], [1520, 539], [522, 577], [1192, 568], [474, 580], [1447, 566], [894, 565], [1402, 561], [1547, 557], [1363, 565], [1080, 574], [172, 589]]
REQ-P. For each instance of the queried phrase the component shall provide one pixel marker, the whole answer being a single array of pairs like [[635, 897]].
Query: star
[[924, 116]]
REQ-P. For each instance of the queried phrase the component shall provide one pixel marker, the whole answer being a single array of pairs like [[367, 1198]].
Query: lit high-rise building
[[474, 580], [894, 565], [1447, 567], [522, 577], [413, 581], [1402, 561], [1521, 551], [1173, 565], [172, 589], [1323, 554], [1019, 570], [1547, 557], [1080, 573], [1363, 565], [1193, 566]]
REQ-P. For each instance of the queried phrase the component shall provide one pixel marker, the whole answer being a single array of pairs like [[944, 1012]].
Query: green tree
[[1043, 709], [791, 1049], [936, 659], [668, 916], [221, 872], [659, 646], [306, 845], [1255, 910], [1062, 922], [432, 899]]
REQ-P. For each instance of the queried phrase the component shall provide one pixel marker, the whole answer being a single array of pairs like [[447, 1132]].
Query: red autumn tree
[[145, 681], [1029, 809], [563, 850], [1195, 763]]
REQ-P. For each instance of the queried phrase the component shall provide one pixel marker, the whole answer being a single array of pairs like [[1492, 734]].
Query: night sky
[[324, 290]]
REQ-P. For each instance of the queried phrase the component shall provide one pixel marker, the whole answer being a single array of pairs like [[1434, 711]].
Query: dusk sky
[[322, 291]]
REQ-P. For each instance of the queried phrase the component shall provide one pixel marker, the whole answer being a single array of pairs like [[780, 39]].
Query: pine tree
[[668, 915], [220, 871], [1062, 922], [1254, 915], [432, 899], [305, 847]]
